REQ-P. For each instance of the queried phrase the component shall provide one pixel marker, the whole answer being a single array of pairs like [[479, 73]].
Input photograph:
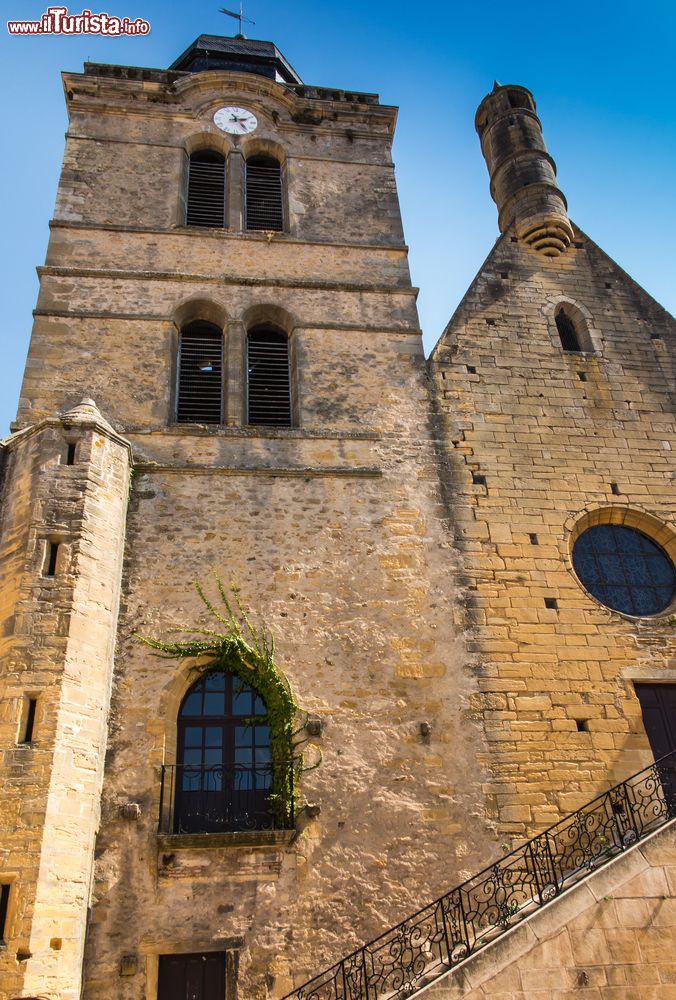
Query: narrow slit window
[[200, 374], [269, 382], [70, 454], [29, 724], [206, 190], [52, 556], [567, 332], [264, 194], [4, 906]]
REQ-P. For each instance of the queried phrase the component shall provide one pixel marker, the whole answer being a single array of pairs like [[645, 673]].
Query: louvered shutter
[[206, 190], [264, 194], [200, 375], [269, 384]]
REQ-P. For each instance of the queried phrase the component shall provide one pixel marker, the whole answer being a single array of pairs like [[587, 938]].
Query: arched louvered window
[[269, 382], [567, 331], [206, 190], [200, 374], [264, 194]]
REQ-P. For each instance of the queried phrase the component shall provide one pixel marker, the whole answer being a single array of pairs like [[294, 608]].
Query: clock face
[[235, 121]]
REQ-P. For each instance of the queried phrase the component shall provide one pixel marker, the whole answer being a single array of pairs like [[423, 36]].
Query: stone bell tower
[[227, 279]]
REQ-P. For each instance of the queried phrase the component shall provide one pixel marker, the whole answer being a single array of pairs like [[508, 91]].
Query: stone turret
[[523, 174], [63, 513]]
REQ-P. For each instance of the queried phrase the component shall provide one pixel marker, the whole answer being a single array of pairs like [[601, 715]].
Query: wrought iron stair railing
[[431, 942]]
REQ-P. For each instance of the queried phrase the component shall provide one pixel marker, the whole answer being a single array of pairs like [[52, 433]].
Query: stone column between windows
[[235, 191], [236, 380]]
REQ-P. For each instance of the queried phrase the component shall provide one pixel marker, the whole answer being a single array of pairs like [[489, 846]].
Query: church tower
[[225, 380]]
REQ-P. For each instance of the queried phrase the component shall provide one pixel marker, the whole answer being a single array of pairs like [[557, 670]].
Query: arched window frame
[[225, 772], [660, 531], [274, 688], [588, 337]]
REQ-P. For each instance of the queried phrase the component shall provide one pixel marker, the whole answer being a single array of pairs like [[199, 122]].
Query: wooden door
[[658, 707], [199, 976]]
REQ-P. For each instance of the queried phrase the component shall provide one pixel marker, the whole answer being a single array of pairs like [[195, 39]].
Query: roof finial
[[238, 17]]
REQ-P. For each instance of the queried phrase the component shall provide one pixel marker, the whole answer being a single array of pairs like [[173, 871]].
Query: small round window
[[623, 569]]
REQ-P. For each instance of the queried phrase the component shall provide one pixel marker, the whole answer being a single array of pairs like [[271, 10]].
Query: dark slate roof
[[244, 55]]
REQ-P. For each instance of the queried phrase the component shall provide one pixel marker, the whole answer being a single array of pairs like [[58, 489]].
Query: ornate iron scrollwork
[[439, 936]]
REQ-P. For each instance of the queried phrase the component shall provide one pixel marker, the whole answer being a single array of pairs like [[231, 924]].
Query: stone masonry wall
[[339, 545], [550, 431]]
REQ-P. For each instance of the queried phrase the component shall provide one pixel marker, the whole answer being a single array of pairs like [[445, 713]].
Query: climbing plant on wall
[[248, 652]]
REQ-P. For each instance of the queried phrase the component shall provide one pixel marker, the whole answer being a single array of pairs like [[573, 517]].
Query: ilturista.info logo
[[57, 21]]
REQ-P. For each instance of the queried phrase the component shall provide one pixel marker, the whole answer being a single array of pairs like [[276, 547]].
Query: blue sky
[[602, 74]]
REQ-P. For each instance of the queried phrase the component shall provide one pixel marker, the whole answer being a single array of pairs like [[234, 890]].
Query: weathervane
[[238, 17]]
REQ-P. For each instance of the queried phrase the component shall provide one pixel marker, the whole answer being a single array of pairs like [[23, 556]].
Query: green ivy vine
[[247, 652]]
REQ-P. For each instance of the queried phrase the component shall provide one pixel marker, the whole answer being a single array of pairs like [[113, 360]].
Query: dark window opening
[[567, 333], [615, 489], [518, 100], [582, 725], [206, 190], [225, 778], [4, 905], [551, 603], [70, 454], [624, 569], [478, 479], [471, 369], [582, 376], [269, 382], [52, 556], [533, 538], [264, 194], [200, 374], [29, 724]]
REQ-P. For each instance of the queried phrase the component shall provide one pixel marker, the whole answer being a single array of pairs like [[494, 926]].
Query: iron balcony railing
[[226, 798], [441, 935]]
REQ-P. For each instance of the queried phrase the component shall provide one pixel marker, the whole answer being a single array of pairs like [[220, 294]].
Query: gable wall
[[550, 445]]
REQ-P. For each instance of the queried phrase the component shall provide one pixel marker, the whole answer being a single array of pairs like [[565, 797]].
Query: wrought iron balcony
[[225, 798], [438, 937]]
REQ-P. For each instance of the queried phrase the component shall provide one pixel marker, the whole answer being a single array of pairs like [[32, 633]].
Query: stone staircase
[[584, 907]]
